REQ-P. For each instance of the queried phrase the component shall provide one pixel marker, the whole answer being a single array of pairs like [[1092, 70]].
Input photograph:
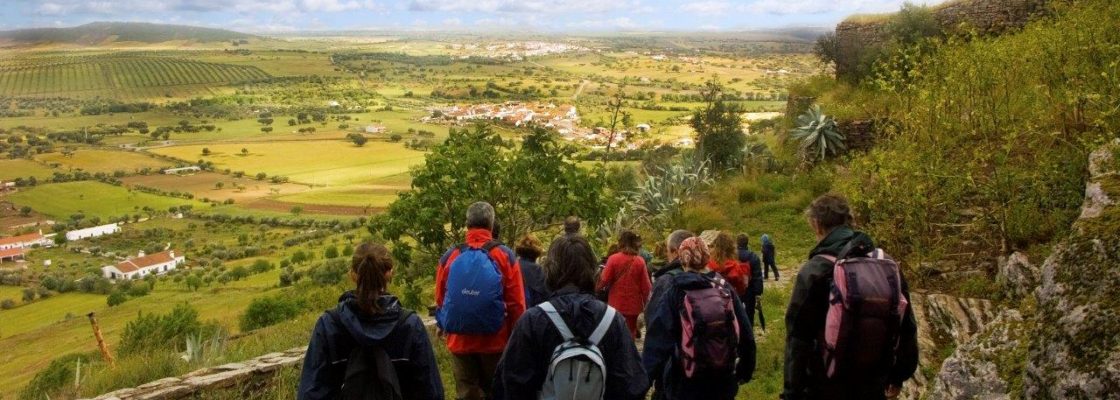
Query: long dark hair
[[370, 263], [570, 262]]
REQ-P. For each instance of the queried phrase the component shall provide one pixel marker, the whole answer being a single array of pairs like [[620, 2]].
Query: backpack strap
[[604, 326], [333, 345], [490, 245], [557, 321]]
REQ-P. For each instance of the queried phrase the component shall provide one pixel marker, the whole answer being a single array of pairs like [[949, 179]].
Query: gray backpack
[[576, 371]]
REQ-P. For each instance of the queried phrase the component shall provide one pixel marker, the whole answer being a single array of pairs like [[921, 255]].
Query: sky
[[274, 16]]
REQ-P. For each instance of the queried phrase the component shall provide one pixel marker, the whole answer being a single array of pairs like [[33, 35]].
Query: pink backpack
[[865, 312], [709, 330]]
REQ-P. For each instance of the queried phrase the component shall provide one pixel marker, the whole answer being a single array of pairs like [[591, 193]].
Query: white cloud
[[706, 7], [804, 7], [522, 6], [606, 24]]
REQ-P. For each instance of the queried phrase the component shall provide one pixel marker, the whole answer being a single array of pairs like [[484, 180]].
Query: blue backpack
[[473, 303]]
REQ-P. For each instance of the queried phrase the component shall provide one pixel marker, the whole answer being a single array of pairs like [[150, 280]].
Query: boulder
[[977, 369], [1017, 277]]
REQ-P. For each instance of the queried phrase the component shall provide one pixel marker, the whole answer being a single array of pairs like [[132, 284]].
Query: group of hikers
[[565, 326]]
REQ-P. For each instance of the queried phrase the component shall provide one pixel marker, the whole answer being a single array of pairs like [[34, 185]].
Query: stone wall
[[857, 39], [212, 378]]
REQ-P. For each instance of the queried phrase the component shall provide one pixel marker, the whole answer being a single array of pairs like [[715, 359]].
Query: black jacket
[[533, 277], [805, 319], [407, 345], [524, 366], [662, 340], [755, 286]]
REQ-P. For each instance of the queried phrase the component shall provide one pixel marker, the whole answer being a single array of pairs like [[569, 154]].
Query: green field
[[360, 196], [107, 161], [116, 75], [12, 169], [94, 199], [326, 162]]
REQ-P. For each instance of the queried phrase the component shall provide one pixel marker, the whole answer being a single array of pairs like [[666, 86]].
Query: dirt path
[[582, 84]]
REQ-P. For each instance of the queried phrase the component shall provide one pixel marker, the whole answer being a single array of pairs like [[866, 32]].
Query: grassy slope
[[108, 161], [12, 169], [94, 199]]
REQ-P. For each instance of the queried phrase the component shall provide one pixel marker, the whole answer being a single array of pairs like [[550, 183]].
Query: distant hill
[[102, 32]]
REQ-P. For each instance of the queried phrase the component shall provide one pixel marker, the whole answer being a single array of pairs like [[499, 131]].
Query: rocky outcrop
[[1017, 277], [212, 378], [1075, 349], [977, 369], [944, 322]]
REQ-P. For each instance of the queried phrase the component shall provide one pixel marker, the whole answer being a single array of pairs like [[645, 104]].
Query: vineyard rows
[[116, 76]]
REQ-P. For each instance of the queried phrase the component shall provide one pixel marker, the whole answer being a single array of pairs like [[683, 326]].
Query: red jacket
[[630, 292], [512, 290], [734, 272]]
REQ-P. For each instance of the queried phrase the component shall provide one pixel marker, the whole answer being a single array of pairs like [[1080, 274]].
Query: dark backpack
[[473, 302], [370, 373], [865, 312], [709, 330]]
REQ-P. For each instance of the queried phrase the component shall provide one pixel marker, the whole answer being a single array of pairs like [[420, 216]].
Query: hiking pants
[[767, 267], [632, 323], [474, 375]]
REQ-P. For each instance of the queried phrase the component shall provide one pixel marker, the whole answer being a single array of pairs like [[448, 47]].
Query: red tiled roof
[[30, 237], [139, 263], [10, 253]]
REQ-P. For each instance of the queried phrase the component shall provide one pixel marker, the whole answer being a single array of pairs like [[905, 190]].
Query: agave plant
[[818, 134], [659, 199]]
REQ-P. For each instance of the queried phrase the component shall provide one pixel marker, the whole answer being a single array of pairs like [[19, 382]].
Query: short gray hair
[[674, 241], [480, 215]]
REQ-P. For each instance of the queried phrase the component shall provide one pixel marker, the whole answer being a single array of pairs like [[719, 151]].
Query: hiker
[[352, 344], [768, 254], [528, 251], [624, 281], [725, 261], [571, 225], [752, 300], [672, 267], [700, 344], [535, 366], [886, 352], [479, 296]]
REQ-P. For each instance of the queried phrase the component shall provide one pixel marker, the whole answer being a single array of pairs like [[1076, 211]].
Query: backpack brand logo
[[468, 292]]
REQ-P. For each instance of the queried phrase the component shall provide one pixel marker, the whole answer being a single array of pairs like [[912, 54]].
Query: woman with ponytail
[[369, 329]]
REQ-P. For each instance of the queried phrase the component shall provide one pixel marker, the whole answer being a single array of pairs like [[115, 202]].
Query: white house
[[25, 241], [643, 128], [93, 232], [375, 129], [182, 170], [144, 265]]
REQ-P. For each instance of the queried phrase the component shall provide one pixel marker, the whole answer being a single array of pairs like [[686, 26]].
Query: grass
[[327, 162], [376, 196], [107, 161], [94, 199], [20, 168]]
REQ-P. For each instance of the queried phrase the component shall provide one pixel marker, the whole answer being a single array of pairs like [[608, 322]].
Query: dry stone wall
[[212, 378]]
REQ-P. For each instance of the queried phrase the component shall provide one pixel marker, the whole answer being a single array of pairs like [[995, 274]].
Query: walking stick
[[761, 316]]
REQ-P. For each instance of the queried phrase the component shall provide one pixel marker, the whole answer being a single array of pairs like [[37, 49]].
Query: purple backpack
[[709, 329], [865, 312]]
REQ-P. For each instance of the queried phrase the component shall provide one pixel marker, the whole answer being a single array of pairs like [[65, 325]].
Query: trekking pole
[[100, 340], [761, 316]]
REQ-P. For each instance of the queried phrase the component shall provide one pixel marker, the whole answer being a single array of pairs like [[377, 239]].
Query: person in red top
[[475, 357], [627, 279], [725, 261]]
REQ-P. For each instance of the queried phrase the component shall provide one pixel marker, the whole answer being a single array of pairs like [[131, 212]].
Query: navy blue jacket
[[407, 345], [533, 278], [524, 365], [663, 338], [748, 256]]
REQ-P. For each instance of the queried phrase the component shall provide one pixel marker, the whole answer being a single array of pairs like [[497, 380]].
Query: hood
[[766, 239], [675, 264], [841, 236], [693, 280], [365, 328]]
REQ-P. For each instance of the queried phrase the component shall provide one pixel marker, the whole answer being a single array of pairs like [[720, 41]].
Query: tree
[[296, 210], [266, 129], [719, 129], [261, 176], [358, 139], [25, 211], [244, 151], [193, 283], [116, 298], [205, 151], [477, 164], [219, 185], [615, 106]]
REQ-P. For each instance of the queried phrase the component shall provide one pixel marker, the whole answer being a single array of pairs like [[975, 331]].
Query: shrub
[[260, 266], [266, 311], [55, 379], [160, 332], [8, 304], [330, 271], [116, 298]]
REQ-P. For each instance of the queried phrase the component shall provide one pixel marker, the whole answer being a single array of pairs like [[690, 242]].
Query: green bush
[[56, 379], [116, 298], [265, 311], [330, 272], [150, 332]]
